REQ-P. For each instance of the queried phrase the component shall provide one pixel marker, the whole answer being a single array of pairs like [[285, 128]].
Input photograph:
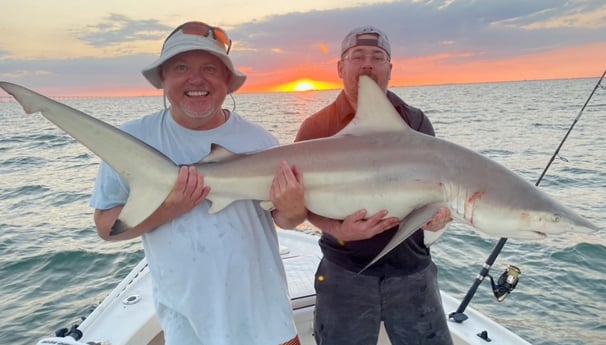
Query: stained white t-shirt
[[220, 274]]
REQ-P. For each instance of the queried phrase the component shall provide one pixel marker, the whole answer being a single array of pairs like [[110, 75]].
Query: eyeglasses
[[204, 30], [358, 57]]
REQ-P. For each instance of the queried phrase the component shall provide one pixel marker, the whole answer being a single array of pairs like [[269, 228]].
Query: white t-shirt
[[220, 273]]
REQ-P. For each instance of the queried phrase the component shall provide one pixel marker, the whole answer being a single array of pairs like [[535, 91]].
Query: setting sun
[[305, 84]]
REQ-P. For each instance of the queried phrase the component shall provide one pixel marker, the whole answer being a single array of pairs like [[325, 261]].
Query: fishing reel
[[506, 282]]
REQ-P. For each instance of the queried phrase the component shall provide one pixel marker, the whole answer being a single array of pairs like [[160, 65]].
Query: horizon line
[[9, 98]]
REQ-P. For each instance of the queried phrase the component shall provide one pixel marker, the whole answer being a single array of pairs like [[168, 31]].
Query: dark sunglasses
[[204, 30]]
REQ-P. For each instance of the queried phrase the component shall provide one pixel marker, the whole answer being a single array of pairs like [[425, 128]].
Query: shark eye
[[556, 218]]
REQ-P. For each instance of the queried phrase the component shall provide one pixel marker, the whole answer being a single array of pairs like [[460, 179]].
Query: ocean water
[[53, 266]]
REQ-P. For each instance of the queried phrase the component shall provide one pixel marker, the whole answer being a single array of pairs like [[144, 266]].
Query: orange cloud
[[452, 68], [324, 48], [570, 62]]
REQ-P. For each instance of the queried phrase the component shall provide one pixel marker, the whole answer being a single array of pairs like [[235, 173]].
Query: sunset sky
[[98, 48]]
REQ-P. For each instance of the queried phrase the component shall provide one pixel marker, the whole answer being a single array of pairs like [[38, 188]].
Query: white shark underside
[[376, 162]]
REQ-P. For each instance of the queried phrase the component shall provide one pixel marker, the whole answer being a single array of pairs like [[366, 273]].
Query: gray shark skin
[[376, 162]]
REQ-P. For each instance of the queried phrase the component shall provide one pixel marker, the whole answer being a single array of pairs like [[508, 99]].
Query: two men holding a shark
[[208, 228]]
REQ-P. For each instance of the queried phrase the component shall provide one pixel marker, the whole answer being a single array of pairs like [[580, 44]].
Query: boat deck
[[126, 316]]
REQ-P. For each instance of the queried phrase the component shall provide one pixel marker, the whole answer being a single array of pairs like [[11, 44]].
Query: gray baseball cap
[[352, 40]]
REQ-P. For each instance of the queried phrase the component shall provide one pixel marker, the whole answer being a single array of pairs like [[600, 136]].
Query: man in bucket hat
[[400, 290], [217, 278]]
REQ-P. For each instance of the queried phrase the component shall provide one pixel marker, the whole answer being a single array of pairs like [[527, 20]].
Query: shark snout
[[560, 222]]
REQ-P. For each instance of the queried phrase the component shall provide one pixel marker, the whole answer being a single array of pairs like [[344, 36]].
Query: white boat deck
[[126, 316]]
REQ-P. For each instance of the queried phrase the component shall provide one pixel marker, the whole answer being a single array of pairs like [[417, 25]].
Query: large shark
[[376, 162]]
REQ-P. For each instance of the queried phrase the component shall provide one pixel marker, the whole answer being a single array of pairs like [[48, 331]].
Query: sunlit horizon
[[300, 85], [305, 84]]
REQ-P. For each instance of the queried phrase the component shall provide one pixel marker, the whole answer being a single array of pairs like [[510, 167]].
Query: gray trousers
[[351, 306]]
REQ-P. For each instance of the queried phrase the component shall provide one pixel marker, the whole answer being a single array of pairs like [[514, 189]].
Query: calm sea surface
[[53, 266]]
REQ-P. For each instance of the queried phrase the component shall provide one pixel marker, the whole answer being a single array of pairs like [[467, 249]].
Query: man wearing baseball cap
[[217, 278], [401, 290]]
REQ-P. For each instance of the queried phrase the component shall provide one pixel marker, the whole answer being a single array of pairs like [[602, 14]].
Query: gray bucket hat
[[180, 42]]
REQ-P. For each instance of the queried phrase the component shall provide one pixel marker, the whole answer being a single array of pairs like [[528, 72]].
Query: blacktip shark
[[376, 162]]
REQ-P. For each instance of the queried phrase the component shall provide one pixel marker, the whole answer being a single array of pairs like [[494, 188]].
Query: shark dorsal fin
[[218, 153], [374, 113]]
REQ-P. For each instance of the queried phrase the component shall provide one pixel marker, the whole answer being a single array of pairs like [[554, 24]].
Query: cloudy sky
[[90, 47]]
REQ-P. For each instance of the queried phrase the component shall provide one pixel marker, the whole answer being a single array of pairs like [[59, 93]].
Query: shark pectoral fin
[[409, 225]]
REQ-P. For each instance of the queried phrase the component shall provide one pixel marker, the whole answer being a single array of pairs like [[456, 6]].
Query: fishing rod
[[509, 279]]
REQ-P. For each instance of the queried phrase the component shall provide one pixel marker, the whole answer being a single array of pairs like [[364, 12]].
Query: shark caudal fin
[[149, 174]]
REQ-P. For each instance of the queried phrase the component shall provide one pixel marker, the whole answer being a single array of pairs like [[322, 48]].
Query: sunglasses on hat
[[204, 30]]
